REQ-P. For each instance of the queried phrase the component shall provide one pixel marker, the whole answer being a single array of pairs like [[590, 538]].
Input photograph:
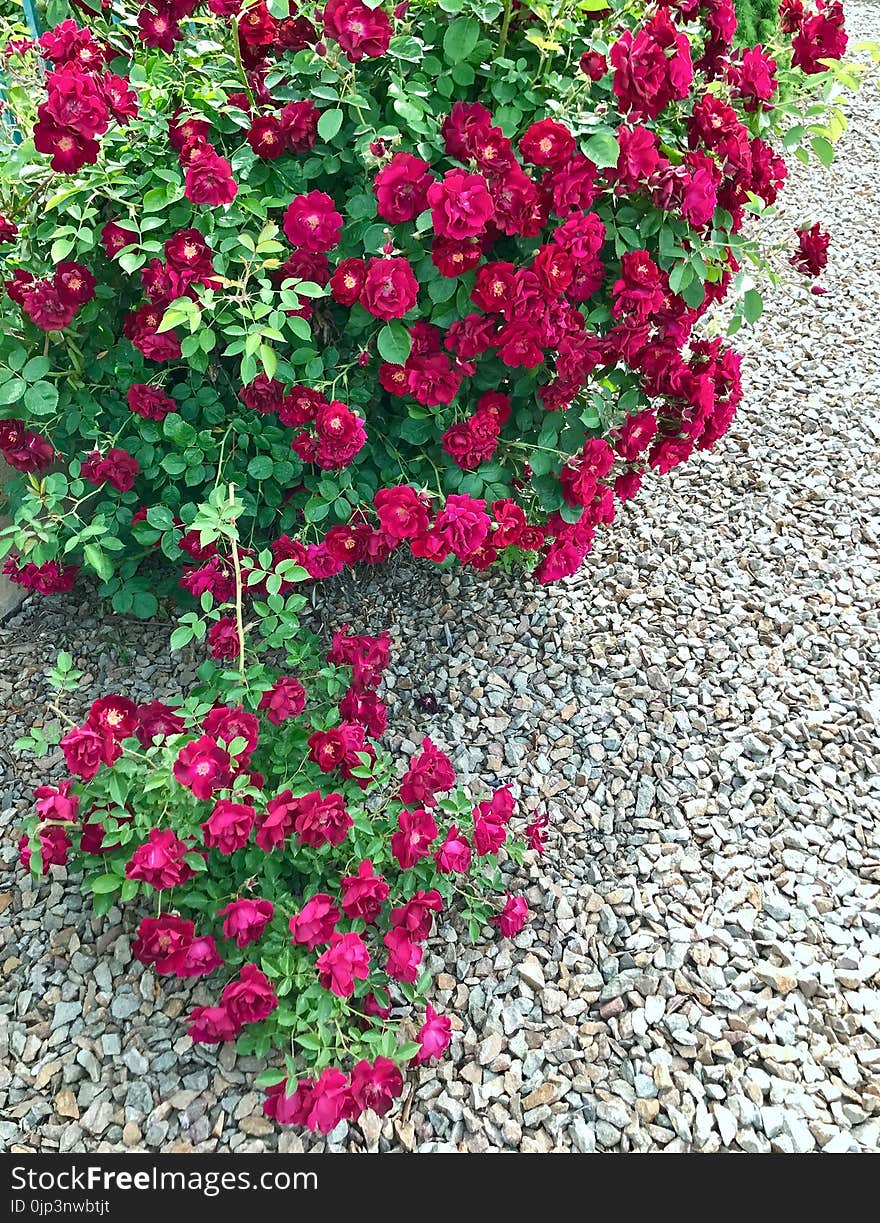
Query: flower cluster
[[309, 907], [82, 98], [469, 324]]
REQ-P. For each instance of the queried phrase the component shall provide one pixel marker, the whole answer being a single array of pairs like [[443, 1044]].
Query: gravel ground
[[696, 711]]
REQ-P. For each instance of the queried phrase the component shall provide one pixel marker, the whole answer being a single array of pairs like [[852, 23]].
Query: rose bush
[[277, 852], [434, 277]]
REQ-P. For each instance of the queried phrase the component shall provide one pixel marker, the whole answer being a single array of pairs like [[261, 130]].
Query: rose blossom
[[315, 923], [160, 860], [285, 699], [245, 920], [212, 1025], [312, 223], [251, 998], [390, 288], [375, 1086], [434, 1036], [461, 206], [345, 961], [364, 893], [454, 855], [404, 955], [203, 767], [513, 916]]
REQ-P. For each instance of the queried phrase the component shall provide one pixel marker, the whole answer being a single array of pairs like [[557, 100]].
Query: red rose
[[461, 205], [315, 923], [593, 65], [229, 826], [401, 188], [366, 709], [117, 468], [345, 961], [463, 524], [148, 402], [74, 102], [375, 1086], [546, 143], [459, 125], [115, 716], [811, 256], [199, 959], [256, 26], [364, 893], [347, 282], [160, 860], [203, 767], [819, 36], [69, 149], [251, 998], [454, 855], [299, 126], [434, 1036], [390, 288], [312, 223], [161, 942], [86, 748], [209, 178], [322, 820], [404, 956], [430, 773], [455, 256], [651, 67], [513, 917], [340, 433], [159, 30], [416, 832], [245, 920], [359, 30], [157, 720], [227, 722], [266, 137], [493, 286], [211, 1025], [415, 916], [285, 699], [402, 512]]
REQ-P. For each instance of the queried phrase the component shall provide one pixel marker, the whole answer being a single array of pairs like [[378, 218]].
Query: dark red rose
[[312, 223], [401, 188], [209, 178], [390, 288], [461, 205], [160, 860], [360, 31], [299, 126], [245, 920], [149, 402]]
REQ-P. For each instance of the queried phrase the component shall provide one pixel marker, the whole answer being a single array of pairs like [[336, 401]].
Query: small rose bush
[[437, 277], [276, 850]]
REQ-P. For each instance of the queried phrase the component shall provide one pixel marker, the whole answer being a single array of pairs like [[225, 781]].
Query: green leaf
[[144, 605], [41, 398], [329, 123], [36, 368], [261, 467], [106, 883], [823, 149], [12, 391], [460, 39], [602, 149], [394, 342], [160, 517], [753, 305]]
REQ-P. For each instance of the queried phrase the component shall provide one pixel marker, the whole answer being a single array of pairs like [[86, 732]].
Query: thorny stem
[[239, 613]]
